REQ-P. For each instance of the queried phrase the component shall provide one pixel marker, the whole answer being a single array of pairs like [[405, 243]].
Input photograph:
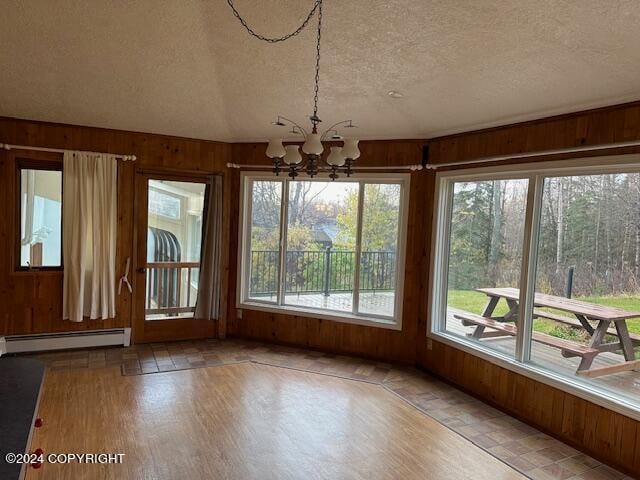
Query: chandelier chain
[[340, 159], [317, 5], [317, 79]]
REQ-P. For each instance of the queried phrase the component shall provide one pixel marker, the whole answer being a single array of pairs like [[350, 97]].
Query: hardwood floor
[[244, 421], [518, 445]]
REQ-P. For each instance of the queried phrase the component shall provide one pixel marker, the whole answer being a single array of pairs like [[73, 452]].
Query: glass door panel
[[174, 236], [320, 257], [264, 240], [379, 248]]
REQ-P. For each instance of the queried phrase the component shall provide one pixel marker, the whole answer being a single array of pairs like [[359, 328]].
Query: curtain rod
[[6, 146], [541, 153], [413, 168]]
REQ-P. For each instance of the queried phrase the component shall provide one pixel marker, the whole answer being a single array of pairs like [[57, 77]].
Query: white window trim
[[242, 302], [437, 279]]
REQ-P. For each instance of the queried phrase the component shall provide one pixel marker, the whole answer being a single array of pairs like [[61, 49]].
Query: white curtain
[[89, 188]]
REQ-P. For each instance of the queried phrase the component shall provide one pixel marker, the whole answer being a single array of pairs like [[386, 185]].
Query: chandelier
[[340, 159]]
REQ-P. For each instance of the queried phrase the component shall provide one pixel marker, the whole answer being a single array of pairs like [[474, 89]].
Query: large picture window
[[485, 251], [333, 249], [540, 269]]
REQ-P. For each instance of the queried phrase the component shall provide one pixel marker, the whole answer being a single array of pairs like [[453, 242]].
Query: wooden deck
[[626, 384], [380, 303]]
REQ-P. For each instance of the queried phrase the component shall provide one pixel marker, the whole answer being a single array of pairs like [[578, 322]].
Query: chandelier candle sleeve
[[350, 149], [336, 158], [312, 145], [292, 157], [275, 148]]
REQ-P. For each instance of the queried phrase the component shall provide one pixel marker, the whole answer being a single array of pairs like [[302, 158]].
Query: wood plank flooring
[[520, 446], [246, 421]]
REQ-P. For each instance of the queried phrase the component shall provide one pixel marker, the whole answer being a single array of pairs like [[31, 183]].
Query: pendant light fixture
[[339, 159]]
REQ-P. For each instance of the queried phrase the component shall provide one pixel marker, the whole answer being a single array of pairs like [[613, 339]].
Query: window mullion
[[356, 279], [441, 259], [247, 197], [284, 212], [528, 272]]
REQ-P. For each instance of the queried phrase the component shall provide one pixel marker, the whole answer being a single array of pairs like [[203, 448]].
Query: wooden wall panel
[[608, 436], [28, 304], [32, 302], [594, 127], [335, 336]]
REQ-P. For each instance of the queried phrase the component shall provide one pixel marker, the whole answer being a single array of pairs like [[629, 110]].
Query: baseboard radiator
[[64, 340]]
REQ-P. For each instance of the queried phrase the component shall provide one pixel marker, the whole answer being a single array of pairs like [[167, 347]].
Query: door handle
[[141, 269]]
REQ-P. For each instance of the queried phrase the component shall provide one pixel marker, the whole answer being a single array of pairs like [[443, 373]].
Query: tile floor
[[524, 448]]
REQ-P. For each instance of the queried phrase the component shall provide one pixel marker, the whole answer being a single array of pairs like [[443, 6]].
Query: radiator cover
[[64, 340]]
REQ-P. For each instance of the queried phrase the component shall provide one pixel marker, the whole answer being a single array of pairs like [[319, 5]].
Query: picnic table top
[[577, 307]]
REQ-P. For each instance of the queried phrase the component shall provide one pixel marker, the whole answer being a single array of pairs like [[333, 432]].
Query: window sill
[[367, 321], [574, 387]]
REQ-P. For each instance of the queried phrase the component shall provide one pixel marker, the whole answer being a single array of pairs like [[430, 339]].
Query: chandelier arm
[[332, 127], [302, 130], [317, 3]]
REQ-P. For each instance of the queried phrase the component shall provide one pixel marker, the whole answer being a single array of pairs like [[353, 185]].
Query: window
[[329, 249], [485, 251], [40, 241], [164, 204], [540, 271]]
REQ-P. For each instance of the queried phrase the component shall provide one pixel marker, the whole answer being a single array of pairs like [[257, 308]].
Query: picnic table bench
[[585, 313]]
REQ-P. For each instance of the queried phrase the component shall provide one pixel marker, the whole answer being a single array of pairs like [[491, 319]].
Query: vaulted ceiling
[[188, 68]]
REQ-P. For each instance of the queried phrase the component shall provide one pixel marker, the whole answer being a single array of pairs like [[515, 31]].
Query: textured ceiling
[[187, 67]]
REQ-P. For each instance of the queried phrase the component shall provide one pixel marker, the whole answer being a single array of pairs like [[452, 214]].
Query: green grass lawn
[[475, 302]]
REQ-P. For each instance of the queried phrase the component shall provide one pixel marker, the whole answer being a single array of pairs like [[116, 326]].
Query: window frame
[[21, 164], [536, 173], [169, 193], [244, 233]]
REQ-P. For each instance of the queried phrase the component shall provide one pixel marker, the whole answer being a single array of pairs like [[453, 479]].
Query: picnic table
[[595, 319]]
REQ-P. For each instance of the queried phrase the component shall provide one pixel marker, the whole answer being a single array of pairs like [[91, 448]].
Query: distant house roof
[[325, 233], [320, 236]]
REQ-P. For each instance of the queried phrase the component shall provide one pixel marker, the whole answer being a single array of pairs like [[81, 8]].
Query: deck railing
[[321, 271], [169, 288]]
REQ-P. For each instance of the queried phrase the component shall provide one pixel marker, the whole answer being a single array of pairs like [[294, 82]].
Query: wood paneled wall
[[342, 337], [606, 435], [593, 127], [31, 302]]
